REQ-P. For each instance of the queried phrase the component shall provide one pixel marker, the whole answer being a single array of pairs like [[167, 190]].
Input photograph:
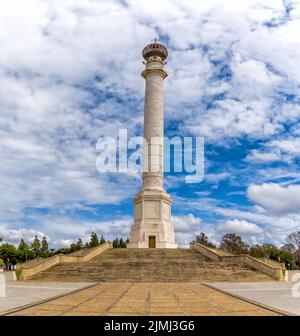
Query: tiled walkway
[[147, 299]]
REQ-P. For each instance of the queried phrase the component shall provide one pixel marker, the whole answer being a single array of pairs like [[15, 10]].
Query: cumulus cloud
[[262, 157], [217, 177], [15, 235], [241, 227], [186, 228], [186, 223], [276, 198]]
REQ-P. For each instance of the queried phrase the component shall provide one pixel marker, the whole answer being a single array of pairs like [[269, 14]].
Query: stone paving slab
[[146, 299], [22, 293], [273, 294]]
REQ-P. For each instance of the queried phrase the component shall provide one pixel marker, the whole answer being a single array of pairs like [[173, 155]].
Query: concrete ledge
[[211, 253], [276, 272], [26, 271], [254, 302]]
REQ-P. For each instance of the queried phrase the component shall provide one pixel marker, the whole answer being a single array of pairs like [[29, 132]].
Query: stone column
[[154, 75], [152, 206]]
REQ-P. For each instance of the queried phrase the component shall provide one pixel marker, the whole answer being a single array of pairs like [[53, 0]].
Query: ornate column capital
[[154, 71]]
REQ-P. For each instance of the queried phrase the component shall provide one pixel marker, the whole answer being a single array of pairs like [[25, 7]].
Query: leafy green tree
[[51, 252], [257, 251], [203, 240], [233, 243], [23, 252], [80, 243], [8, 253], [280, 255], [116, 243], [102, 240], [94, 242], [45, 247], [76, 246], [119, 243], [63, 250], [36, 247], [122, 243]]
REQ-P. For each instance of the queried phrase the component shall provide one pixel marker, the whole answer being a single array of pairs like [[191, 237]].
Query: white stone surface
[[152, 206]]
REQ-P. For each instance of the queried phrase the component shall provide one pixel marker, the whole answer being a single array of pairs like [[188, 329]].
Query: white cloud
[[241, 227], [262, 157], [186, 223], [289, 146], [186, 227], [275, 198], [216, 178], [15, 235], [275, 227]]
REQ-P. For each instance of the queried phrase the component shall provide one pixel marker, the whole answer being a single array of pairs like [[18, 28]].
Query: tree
[[233, 243], [203, 240], [80, 243], [76, 246], [102, 240], [94, 242], [8, 253], [44, 247], [289, 248], [122, 243], [280, 255], [294, 239], [51, 252], [119, 243], [63, 250], [36, 247], [23, 252], [116, 243], [257, 251]]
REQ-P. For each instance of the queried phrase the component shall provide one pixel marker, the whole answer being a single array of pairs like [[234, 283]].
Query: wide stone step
[[150, 265]]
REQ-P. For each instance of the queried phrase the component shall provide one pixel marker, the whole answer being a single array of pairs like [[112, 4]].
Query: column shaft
[[153, 131]]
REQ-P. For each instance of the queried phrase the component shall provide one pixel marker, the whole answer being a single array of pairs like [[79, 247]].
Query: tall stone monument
[[152, 205]]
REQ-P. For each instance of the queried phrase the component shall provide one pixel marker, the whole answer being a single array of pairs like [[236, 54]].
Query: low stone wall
[[276, 272], [206, 251], [27, 271]]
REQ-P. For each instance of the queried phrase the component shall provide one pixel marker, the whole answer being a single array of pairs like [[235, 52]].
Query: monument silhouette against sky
[[152, 205]]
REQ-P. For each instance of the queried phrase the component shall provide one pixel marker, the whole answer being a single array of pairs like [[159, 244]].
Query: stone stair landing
[[150, 265]]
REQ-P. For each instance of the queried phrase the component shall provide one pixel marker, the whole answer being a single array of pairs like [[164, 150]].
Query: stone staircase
[[150, 265]]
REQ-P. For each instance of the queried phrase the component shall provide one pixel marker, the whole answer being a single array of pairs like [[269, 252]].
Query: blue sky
[[70, 73]]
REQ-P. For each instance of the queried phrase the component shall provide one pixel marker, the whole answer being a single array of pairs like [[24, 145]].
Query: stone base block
[[152, 226]]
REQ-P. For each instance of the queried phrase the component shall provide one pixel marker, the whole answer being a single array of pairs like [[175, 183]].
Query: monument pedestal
[[152, 221]]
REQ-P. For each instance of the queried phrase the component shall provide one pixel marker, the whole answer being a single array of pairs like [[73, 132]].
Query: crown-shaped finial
[[155, 48]]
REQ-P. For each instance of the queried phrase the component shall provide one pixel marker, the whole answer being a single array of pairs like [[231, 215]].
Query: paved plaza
[[19, 293], [275, 294], [145, 299]]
